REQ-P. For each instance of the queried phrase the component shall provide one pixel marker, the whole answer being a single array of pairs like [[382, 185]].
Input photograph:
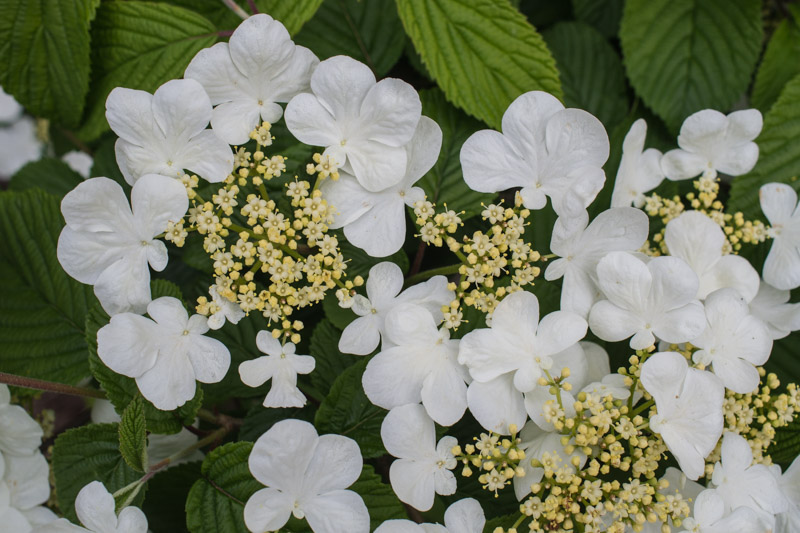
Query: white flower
[[779, 204], [281, 365], [108, 244], [741, 483], [376, 221], [422, 365], [772, 306], [80, 162], [508, 359], [305, 475], [19, 145], [789, 483], [650, 300], [544, 148], [19, 433], [733, 341], [165, 133], [423, 467], [227, 310], [384, 282], [362, 124], [581, 245], [24, 487], [698, 240], [10, 110], [247, 76], [712, 142], [95, 509], [166, 354], [689, 403], [543, 446], [463, 516], [639, 169], [710, 516]]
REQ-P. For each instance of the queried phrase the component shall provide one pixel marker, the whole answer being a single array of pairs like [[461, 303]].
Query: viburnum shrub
[[298, 288]]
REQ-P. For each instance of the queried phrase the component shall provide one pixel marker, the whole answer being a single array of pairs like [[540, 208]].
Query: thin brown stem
[[49, 386], [210, 439]]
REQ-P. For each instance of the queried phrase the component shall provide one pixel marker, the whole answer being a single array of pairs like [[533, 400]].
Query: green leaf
[[783, 359], [216, 502], [347, 411], [786, 444], [44, 55], [259, 419], [49, 174], [602, 14], [686, 55], [591, 71], [369, 31], [444, 183], [140, 45], [85, 454], [43, 310], [331, 363], [781, 62], [293, 14], [779, 158], [133, 435], [482, 53], [359, 263], [166, 492], [379, 498]]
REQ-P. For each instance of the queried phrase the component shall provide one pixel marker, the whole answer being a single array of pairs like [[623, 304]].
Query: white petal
[[336, 464], [282, 454], [128, 344], [702, 132], [491, 163], [518, 311], [341, 83], [778, 202], [400, 526], [738, 160], [311, 123], [94, 506], [423, 150], [233, 121], [408, 432], [132, 520], [558, 331], [157, 200], [375, 165], [384, 282], [348, 199], [169, 313], [444, 394], [731, 271], [465, 516], [681, 165], [339, 511], [612, 323], [782, 267], [130, 115], [208, 156], [381, 231], [182, 109], [21, 434], [496, 404], [575, 139], [97, 204], [361, 336], [413, 482], [125, 285], [268, 344], [214, 69], [393, 378], [696, 239], [209, 357], [267, 510], [526, 118], [390, 112], [27, 478], [170, 383]]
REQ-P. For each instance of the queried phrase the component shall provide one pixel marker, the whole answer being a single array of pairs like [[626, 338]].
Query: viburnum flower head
[[19, 433], [246, 77], [423, 467], [540, 444], [699, 241], [656, 299], [165, 353], [165, 132], [376, 221], [281, 365], [384, 283], [545, 149], [779, 204], [507, 359], [711, 142], [94, 506], [306, 476], [463, 516], [108, 243], [362, 124], [772, 306], [639, 169], [422, 365], [689, 404]]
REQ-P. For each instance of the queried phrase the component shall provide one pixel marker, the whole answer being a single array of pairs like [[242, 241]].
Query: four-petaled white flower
[[711, 142], [656, 299], [108, 244], [689, 403], [699, 241], [710, 516], [384, 282], [306, 476], [165, 133], [463, 516], [639, 169], [772, 306], [19, 433], [226, 310], [246, 77], [281, 365], [422, 365], [95, 509], [362, 124], [779, 204], [423, 467], [166, 353], [734, 341], [545, 149], [376, 221]]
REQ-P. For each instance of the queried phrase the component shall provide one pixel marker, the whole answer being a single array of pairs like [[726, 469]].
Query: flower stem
[[233, 6], [210, 439], [422, 276], [49, 386]]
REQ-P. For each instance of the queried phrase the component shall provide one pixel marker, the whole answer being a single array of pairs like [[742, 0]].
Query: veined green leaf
[[133, 435], [604, 15], [49, 174], [781, 62]]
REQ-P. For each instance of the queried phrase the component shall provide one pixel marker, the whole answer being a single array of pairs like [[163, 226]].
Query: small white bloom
[[734, 341], [376, 221], [698, 240], [423, 467], [639, 169], [364, 125], [166, 353], [108, 244], [24, 488], [650, 300], [463, 516], [384, 282], [281, 365], [165, 132], [228, 310], [19, 145], [80, 162], [10, 110], [779, 204], [247, 76], [710, 516], [712, 142], [772, 306], [545, 149], [95, 509], [689, 403], [306, 476], [19, 433]]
